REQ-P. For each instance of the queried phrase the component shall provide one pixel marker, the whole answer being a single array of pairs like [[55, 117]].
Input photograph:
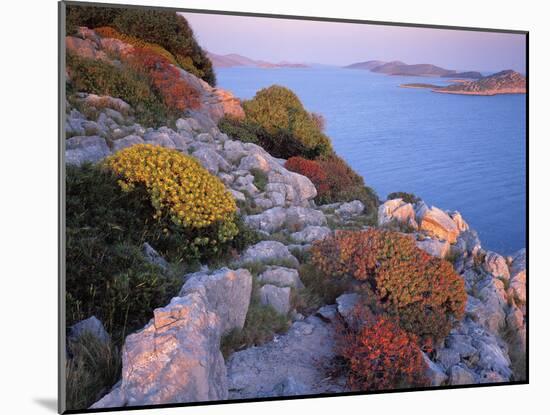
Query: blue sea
[[465, 153]]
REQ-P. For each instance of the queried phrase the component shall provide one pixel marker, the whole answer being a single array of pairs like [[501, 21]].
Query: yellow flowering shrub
[[177, 185]]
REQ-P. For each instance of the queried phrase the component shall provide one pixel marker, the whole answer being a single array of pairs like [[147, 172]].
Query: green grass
[[91, 371], [260, 179]]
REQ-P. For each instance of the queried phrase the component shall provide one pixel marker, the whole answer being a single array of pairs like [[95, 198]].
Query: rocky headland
[[193, 349], [504, 82], [232, 60], [398, 68]]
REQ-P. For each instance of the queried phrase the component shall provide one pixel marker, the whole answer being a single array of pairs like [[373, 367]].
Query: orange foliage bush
[[424, 292], [380, 355], [176, 93], [160, 67], [109, 32], [312, 170]]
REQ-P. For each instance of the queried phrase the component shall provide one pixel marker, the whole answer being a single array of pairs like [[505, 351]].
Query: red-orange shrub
[[165, 78], [380, 355], [312, 170], [424, 292], [159, 66]]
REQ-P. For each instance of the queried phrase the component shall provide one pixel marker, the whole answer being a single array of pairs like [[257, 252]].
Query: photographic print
[[258, 207]]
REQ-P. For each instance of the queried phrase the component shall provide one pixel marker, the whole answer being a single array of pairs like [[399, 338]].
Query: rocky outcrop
[[434, 247], [276, 297], [396, 210], [268, 252], [228, 294], [436, 222], [85, 149], [91, 326], [310, 233], [295, 219], [289, 365], [349, 209], [281, 277], [175, 358]]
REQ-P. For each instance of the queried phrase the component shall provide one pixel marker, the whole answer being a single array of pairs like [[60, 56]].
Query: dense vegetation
[[278, 109], [101, 78], [379, 355], [164, 28], [93, 368], [107, 274], [421, 291]]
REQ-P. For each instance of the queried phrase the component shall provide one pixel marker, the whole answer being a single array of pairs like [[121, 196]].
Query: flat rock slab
[[291, 364]]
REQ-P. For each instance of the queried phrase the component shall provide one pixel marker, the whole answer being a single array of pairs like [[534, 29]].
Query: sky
[[341, 44]]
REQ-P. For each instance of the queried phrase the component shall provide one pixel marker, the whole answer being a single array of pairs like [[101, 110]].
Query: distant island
[[398, 68], [234, 60], [504, 82]]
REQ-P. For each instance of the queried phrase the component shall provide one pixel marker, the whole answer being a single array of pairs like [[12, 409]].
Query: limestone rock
[[174, 359], [349, 209], [127, 141], [518, 271], [460, 375], [154, 257], [459, 221], [396, 210], [311, 234], [294, 218], [92, 326], [79, 150], [211, 160], [434, 372], [265, 371], [281, 277], [346, 305], [276, 297], [491, 292], [495, 264], [268, 252], [435, 247], [159, 139], [437, 223], [228, 293]]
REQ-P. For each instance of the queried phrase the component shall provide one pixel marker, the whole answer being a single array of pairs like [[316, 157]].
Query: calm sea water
[[464, 153]]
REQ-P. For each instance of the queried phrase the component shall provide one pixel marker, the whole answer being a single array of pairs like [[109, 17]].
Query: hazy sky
[[344, 43]]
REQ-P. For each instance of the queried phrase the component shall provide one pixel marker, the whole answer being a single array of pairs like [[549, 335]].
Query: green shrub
[[90, 16], [407, 197], [92, 369], [279, 143], [260, 179], [240, 130], [280, 113], [101, 78]]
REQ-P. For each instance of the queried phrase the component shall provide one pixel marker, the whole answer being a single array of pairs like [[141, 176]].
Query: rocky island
[[504, 82], [220, 249], [398, 68], [234, 60]]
